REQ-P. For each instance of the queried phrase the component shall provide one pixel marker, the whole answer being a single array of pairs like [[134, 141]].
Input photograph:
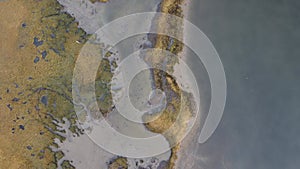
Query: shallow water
[[91, 17]]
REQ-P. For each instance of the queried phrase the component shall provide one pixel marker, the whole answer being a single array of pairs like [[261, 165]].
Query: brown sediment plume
[[179, 103]]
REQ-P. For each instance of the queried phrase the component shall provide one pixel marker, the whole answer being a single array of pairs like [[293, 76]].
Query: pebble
[[15, 99], [10, 108], [29, 147], [55, 50], [22, 127], [16, 85], [162, 165], [44, 54], [62, 47], [52, 35], [36, 42], [37, 108], [23, 25], [37, 59], [44, 100]]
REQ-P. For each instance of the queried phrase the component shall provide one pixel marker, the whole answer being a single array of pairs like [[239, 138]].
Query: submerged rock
[[22, 127], [162, 165], [44, 54], [44, 100], [36, 59], [29, 147], [15, 99], [36, 42], [9, 106], [24, 25]]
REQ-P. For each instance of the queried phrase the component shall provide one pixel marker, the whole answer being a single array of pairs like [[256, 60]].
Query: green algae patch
[[103, 87], [67, 165], [118, 163], [103, 1]]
